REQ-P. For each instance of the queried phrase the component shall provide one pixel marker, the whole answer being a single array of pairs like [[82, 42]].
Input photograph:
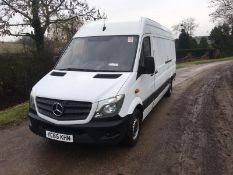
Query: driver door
[[146, 81]]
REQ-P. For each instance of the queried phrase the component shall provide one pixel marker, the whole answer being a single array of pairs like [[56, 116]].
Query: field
[[11, 47]]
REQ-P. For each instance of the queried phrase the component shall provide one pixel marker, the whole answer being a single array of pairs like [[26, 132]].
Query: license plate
[[59, 137]]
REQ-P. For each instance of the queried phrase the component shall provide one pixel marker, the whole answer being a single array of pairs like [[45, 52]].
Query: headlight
[[32, 103], [109, 107]]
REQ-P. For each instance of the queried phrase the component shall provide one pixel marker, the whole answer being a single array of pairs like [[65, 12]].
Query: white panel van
[[105, 83]]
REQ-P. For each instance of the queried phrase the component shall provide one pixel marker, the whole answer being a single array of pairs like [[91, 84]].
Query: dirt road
[[189, 133]]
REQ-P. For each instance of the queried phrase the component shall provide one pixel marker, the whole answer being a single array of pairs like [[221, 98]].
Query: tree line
[[186, 28], [221, 36]]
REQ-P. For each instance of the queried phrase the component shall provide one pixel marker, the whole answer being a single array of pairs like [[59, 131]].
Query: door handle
[[166, 62]]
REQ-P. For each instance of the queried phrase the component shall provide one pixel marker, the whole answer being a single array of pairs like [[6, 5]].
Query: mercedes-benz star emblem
[[58, 109]]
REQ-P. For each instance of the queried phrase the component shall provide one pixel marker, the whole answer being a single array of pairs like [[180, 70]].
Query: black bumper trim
[[94, 132]]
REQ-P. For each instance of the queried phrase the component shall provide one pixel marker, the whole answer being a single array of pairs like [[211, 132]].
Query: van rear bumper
[[94, 132]]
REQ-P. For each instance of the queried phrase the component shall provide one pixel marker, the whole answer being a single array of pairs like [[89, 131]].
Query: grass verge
[[14, 114], [197, 62]]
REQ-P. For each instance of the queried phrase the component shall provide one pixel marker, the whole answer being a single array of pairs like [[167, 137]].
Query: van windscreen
[[100, 54]]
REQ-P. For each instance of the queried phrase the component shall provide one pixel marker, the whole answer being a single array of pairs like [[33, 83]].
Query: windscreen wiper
[[69, 69], [75, 69], [88, 70]]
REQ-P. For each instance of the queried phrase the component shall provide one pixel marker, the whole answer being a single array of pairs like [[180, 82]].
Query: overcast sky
[[166, 12]]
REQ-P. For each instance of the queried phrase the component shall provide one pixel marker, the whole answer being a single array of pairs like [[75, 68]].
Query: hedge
[[211, 53], [18, 74]]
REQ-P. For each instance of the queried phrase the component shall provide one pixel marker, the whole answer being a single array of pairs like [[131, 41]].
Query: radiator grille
[[71, 110]]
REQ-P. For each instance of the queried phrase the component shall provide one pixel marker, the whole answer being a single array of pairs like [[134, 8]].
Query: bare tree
[[188, 25], [33, 17], [224, 10], [63, 32]]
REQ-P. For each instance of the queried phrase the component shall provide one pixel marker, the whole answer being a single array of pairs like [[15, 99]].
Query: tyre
[[169, 91], [133, 130]]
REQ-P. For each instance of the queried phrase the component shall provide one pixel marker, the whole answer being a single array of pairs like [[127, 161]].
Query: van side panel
[[160, 56], [163, 50]]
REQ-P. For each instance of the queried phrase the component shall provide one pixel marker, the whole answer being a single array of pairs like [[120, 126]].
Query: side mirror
[[149, 65]]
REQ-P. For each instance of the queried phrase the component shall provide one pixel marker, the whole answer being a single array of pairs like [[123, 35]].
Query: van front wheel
[[133, 130]]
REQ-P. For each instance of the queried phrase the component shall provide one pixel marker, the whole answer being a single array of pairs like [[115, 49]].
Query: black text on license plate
[[59, 137]]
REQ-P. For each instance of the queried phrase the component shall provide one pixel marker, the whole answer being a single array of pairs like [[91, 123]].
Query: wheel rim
[[135, 128]]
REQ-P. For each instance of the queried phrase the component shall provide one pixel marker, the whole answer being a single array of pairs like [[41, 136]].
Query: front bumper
[[94, 132]]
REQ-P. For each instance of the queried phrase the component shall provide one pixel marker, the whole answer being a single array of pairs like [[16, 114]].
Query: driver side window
[[145, 51]]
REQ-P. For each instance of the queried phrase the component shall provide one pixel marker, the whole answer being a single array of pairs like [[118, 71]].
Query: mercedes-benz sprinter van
[[105, 83]]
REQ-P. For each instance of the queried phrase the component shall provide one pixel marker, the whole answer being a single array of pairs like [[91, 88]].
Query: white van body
[[136, 91]]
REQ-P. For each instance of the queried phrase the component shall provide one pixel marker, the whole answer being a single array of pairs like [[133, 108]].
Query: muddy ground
[[188, 133]]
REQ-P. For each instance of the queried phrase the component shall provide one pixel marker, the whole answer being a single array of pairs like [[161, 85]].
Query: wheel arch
[[136, 104], [140, 108]]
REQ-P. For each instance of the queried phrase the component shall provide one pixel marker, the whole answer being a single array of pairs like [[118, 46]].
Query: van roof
[[130, 27]]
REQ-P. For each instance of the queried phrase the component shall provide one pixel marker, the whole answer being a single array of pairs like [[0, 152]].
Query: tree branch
[[14, 25], [62, 20], [56, 8], [16, 10]]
